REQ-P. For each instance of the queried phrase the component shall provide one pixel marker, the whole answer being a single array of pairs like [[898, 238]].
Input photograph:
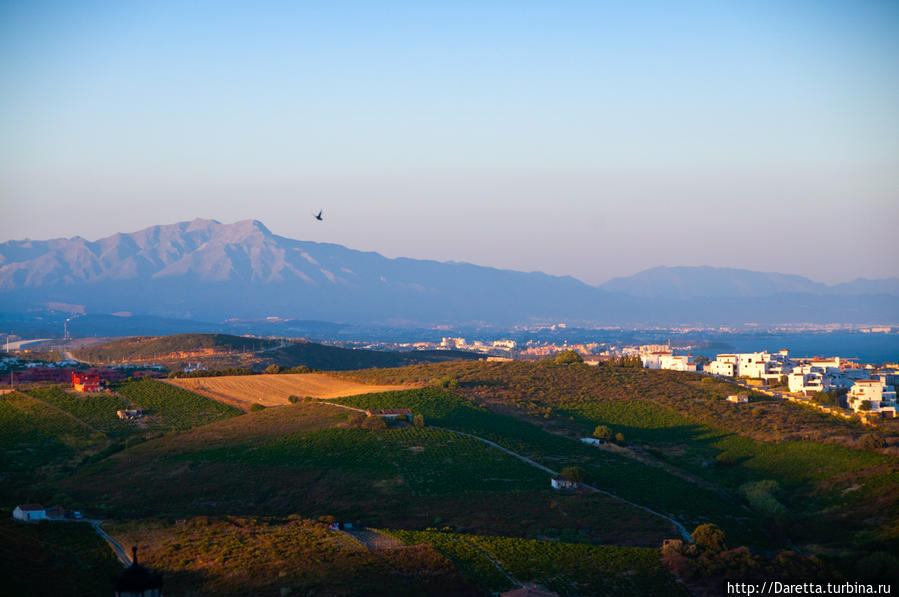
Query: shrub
[[709, 538], [871, 441], [602, 432], [619, 438], [355, 419], [418, 421], [575, 474], [375, 423], [256, 407], [273, 369], [293, 399], [568, 357]]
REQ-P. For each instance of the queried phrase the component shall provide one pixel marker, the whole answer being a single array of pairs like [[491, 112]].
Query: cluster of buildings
[[869, 390]]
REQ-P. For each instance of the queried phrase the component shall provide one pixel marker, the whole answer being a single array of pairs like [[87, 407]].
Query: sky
[[592, 139]]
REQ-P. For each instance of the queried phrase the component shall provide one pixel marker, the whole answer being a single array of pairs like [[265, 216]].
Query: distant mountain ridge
[[207, 271], [722, 282]]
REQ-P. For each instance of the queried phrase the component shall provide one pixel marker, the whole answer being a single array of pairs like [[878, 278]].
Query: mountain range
[[205, 270]]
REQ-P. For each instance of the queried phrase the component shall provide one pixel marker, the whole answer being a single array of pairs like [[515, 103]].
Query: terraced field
[[274, 390]]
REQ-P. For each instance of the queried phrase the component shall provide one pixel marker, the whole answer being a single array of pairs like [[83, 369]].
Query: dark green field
[[773, 479]]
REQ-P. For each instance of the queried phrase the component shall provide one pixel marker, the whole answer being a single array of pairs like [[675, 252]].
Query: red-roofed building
[[86, 382], [390, 413]]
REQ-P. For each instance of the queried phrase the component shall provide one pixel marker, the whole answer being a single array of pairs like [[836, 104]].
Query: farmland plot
[[274, 390]]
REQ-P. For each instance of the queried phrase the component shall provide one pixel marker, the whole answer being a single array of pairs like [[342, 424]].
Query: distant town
[[834, 383]]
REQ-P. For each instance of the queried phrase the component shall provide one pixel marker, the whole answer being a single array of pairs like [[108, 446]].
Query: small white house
[[593, 441], [873, 394], [29, 512], [559, 483], [738, 398]]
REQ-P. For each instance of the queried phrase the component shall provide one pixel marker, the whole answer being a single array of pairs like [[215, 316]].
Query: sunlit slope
[[273, 390]]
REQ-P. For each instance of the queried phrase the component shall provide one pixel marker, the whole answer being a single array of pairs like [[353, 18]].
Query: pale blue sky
[[584, 138]]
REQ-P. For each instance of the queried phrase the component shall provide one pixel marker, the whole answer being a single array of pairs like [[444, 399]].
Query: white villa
[[873, 396], [667, 360]]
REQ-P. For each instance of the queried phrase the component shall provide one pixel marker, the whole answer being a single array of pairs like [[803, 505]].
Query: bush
[[273, 369], [602, 432], [375, 423], [256, 407], [568, 357], [293, 399], [709, 538], [445, 382], [871, 441], [355, 419], [575, 474], [619, 438], [418, 421]]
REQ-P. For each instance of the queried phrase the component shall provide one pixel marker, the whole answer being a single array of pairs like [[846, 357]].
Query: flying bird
[[318, 216]]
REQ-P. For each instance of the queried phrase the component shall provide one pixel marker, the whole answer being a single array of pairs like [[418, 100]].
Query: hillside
[[472, 480], [222, 351], [147, 348], [309, 458], [680, 423]]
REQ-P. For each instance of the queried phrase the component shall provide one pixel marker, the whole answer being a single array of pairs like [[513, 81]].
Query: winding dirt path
[[681, 529]]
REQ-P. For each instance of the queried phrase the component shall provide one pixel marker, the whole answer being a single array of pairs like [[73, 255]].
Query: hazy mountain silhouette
[[205, 270], [724, 282]]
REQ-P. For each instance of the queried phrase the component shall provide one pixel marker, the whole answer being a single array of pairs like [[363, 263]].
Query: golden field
[[273, 390]]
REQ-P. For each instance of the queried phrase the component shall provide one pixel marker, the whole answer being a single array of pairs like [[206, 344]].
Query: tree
[[293, 399], [709, 538], [575, 474], [865, 405], [602, 432], [619, 438], [375, 423], [356, 418], [273, 369], [256, 407], [418, 421], [568, 357]]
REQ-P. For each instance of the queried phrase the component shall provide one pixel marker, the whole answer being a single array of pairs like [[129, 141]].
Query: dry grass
[[273, 390]]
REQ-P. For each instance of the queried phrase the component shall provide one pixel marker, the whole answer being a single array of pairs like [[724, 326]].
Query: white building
[[738, 398], [880, 397], [559, 483], [653, 360], [807, 380], [677, 363], [29, 512], [724, 364]]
